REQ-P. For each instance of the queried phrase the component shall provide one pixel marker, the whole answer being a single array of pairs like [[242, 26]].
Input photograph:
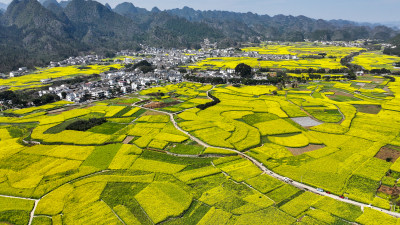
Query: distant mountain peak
[[127, 8], [27, 13], [155, 10], [47, 3], [64, 3], [187, 7], [108, 6]]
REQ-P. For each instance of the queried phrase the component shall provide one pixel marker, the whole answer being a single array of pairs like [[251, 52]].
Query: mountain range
[[33, 33]]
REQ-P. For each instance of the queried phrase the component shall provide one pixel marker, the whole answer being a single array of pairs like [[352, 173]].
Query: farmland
[[77, 172], [231, 62], [158, 158], [302, 49], [34, 80], [376, 60], [304, 56]]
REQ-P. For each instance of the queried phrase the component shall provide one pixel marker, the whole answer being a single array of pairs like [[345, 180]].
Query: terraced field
[[201, 175]]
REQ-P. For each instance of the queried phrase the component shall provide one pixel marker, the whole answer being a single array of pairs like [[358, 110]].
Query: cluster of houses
[[113, 84], [20, 72], [358, 43], [269, 56], [79, 60], [170, 58]]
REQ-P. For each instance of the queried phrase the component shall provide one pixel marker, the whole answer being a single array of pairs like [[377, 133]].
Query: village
[[165, 68]]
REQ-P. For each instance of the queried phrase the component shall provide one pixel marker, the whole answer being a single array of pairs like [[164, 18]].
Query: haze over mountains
[[34, 33], [3, 7]]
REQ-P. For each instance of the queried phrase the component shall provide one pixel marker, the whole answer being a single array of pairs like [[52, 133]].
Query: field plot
[[177, 97], [305, 121], [375, 60], [161, 200]]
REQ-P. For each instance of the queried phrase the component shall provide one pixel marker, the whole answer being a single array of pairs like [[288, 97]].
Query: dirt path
[[115, 214], [308, 114], [128, 139], [32, 214], [343, 116]]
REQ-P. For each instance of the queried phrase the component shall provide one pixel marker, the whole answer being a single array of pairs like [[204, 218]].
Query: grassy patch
[[102, 156], [192, 216], [172, 159], [186, 149], [115, 194], [371, 109], [107, 128], [15, 217]]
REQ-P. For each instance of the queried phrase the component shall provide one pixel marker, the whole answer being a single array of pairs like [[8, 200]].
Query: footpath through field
[[32, 214]]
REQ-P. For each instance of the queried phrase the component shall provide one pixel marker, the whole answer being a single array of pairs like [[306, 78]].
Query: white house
[[230, 70], [15, 74]]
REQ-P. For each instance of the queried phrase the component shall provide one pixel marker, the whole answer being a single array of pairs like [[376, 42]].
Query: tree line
[[214, 101]]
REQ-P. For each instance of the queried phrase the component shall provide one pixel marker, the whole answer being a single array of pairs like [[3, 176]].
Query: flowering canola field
[[97, 177], [376, 60], [34, 80], [304, 53]]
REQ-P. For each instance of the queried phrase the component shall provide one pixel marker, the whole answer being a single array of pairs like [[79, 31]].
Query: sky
[[355, 10]]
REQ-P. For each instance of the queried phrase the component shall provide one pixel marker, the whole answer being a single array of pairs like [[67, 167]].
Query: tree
[[143, 65], [243, 70], [182, 70], [63, 94]]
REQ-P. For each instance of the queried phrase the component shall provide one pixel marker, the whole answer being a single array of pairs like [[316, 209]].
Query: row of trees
[[346, 61], [20, 99], [246, 81], [215, 101]]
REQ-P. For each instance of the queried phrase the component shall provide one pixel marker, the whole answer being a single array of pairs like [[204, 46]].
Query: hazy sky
[[356, 10]]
